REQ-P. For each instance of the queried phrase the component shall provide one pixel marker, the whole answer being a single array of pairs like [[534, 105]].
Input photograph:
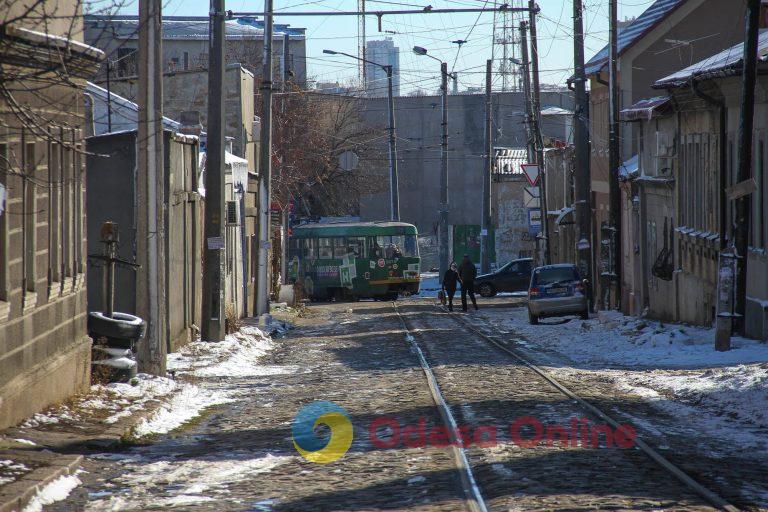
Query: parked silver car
[[556, 290]]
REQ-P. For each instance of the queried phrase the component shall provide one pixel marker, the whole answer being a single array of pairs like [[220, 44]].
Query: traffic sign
[[534, 221], [531, 172], [531, 197]]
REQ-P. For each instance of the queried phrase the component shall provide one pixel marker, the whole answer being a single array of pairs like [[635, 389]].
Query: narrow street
[[240, 455]]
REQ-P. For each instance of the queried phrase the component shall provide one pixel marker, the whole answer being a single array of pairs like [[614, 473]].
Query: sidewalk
[[39, 458]]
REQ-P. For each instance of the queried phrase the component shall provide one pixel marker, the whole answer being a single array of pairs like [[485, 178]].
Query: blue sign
[[534, 221]]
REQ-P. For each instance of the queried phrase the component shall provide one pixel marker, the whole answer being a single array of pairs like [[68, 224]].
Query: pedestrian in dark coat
[[450, 280], [467, 274]]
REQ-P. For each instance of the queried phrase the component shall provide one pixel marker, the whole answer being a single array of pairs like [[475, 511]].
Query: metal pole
[[265, 166], [743, 204], [109, 98], [213, 323], [536, 96], [109, 295], [393, 183], [614, 159], [485, 222], [150, 232], [443, 233], [531, 146], [581, 142]]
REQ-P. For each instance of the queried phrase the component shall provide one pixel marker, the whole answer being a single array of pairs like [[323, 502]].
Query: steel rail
[[474, 497], [678, 473]]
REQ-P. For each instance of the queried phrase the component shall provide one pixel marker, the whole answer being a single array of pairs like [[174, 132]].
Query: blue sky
[[433, 31]]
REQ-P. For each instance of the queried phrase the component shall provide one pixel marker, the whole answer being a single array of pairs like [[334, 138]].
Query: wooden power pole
[[614, 159], [485, 221], [743, 204], [581, 143]]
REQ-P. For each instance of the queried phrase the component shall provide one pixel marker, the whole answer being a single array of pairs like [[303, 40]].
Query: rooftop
[[194, 27], [727, 62], [629, 35]]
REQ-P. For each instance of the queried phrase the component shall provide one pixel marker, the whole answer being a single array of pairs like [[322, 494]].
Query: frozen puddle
[[175, 483]]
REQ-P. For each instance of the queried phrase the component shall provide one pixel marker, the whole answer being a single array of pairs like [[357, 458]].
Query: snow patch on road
[[180, 483], [57, 490]]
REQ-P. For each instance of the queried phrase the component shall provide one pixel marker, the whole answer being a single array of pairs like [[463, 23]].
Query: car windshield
[[551, 275], [397, 246]]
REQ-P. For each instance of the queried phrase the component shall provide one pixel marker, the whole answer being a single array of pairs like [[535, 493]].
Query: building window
[[66, 213], [127, 61], [54, 171], [4, 260], [78, 218], [30, 215]]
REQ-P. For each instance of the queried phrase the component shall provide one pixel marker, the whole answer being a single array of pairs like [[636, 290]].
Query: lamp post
[[443, 232], [393, 186]]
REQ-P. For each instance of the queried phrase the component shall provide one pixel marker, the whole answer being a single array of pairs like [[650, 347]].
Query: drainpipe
[[720, 104]]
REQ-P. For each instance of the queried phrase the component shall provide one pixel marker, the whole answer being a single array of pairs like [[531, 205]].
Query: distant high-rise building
[[382, 52]]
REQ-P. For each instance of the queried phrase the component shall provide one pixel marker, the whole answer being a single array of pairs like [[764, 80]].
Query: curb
[[15, 496]]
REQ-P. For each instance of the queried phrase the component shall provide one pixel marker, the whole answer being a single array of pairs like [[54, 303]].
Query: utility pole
[[527, 91], [150, 234], [743, 204], [393, 182], [536, 96], [581, 142], [213, 323], [443, 233], [285, 212], [265, 166], [614, 160], [485, 225]]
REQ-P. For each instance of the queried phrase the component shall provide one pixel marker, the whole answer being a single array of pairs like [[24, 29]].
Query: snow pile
[[630, 342], [187, 403], [55, 491], [10, 471], [183, 482], [237, 355]]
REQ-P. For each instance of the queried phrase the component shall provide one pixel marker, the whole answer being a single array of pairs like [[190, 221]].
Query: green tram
[[350, 260]]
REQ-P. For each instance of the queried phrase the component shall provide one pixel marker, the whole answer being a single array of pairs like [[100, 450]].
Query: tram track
[[471, 484]]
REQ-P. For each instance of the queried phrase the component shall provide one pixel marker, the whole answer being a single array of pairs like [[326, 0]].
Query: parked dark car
[[512, 277], [557, 290]]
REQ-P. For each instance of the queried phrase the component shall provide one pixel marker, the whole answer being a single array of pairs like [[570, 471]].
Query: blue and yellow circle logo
[[320, 448]]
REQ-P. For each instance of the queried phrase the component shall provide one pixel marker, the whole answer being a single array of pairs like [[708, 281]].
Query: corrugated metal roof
[[509, 160], [651, 17], [645, 108], [726, 62]]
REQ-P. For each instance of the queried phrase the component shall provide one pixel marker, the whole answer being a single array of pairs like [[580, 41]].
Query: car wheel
[[487, 290], [585, 314], [533, 319], [120, 325]]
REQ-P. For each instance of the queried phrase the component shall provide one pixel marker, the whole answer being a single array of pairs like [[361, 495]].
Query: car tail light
[[533, 291]]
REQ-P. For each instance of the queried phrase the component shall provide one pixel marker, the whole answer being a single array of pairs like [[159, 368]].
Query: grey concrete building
[[185, 45], [45, 352], [418, 131]]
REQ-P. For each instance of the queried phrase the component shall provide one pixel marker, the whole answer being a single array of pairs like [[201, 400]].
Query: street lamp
[[393, 182], [443, 233]]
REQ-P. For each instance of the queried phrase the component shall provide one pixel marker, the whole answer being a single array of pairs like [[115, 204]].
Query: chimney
[[190, 123]]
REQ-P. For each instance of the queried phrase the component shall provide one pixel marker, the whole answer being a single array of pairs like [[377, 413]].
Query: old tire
[[487, 290], [121, 326], [533, 319]]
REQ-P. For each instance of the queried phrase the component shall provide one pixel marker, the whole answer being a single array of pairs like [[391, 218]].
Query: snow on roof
[[726, 62], [629, 35], [645, 108], [509, 160], [196, 27], [556, 111], [629, 168], [122, 107]]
